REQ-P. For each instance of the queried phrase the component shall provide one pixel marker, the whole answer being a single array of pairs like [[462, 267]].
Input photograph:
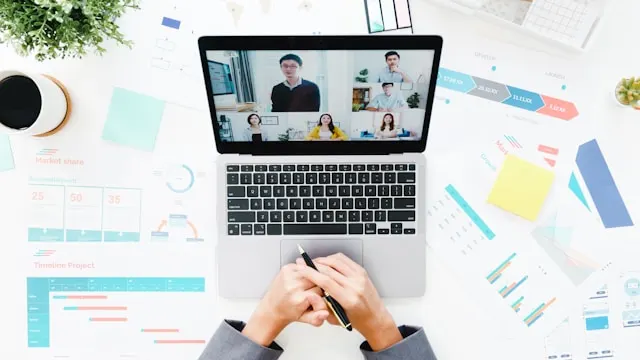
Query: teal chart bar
[[464, 205]]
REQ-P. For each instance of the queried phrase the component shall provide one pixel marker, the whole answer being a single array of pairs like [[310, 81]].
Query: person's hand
[[288, 299], [349, 284]]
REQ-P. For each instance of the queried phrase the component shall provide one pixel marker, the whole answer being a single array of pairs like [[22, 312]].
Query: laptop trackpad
[[352, 248]]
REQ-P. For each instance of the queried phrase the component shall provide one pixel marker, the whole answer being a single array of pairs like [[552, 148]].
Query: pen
[[335, 307]]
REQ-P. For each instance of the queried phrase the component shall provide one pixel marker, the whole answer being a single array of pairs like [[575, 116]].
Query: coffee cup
[[32, 104]]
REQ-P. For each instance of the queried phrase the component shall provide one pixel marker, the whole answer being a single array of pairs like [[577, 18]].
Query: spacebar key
[[315, 229]]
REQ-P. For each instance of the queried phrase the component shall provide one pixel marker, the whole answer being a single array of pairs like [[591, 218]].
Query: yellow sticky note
[[521, 187]]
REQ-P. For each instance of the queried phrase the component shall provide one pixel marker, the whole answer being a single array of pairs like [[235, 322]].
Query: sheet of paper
[[133, 119], [521, 187], [6, 154]]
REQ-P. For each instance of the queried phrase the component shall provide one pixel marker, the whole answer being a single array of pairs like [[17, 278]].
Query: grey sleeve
[[414, 346], [229, 343]]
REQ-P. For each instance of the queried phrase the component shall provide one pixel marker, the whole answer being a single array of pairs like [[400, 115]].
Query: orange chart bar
[[108, 319], [535, 315], [160, 330], [179, 341], [108, 308], [499, 271]]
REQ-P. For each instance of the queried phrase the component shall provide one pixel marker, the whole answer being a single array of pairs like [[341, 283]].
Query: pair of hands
[[295, 295]]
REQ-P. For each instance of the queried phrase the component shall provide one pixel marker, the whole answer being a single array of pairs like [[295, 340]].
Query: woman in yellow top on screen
[[325, 130]]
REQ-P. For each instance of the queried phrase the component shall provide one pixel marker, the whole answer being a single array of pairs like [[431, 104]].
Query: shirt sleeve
[[375, 102], [402, 101], [229, 343], [316, 98], [414, 346]]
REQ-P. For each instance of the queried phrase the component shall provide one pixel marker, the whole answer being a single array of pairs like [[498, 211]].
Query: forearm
[[230, 343], [414, 345]]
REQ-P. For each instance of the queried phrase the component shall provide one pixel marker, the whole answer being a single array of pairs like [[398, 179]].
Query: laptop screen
[[320, 95]]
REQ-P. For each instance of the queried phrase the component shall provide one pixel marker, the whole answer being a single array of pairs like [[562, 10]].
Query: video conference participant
[[326, 130], [294, 94], [388, 100], [388, 128], [255, 133], [392, 72]]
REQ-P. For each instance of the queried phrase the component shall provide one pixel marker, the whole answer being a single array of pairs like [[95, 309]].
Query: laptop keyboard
[[321, 199]]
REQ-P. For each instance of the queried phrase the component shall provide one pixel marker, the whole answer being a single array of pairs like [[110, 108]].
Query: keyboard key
[[269, 204], [256, 204], [285, 178], [259, 229], [246, 229], [358, 167], [409, 190], [345, 167], [327, 216], [317, 168], [272, 178], [241, 216], [376, 178], [236, 191], [354, 216], [386, 167], [341, 216], [356, 228], [302, 216], [373, 167], [409, 231], [367, 216], [321, 204], [383, 190], [383, 231], [406, 177], [331, 190], [238, 204], [274, 229], [315, 229], [263, 216], [261, 168], [396, 226], [302, 167], [275, 216], [233, 168], [307, 203], [404, 203], [357, 190], [370, 228], [245, 179], [278, 191], [337, 178], [233, 229], [396, 231], [292, 191], [232, 179], [282, 204], [258, 178], [253, 191], [412, 167], [344, 190], [289, 168], [275, 168], [331, 168], [295, 204], [246, 168], [361, 203], [389, 178], [396, 190], [298, 178], [324, 178], [386, 203], [305, 191], [381, 216], [347, 203], [373, 203], [401, 167], [403, 215], [265, 191], [312, 178], [289, 216], [350, 178], [370, 190], [334, 203], [314, 216], [318, 190], [363, 178]]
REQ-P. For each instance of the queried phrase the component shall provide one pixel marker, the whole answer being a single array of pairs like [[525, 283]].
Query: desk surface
[[455, 325]]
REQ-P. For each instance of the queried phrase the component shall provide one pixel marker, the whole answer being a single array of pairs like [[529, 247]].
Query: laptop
[[320, 141]]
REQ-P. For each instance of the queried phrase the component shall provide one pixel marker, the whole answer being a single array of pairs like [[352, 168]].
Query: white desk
[[456, 327]]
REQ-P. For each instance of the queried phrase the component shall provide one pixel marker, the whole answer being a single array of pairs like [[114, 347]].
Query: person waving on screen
[[326, 130]]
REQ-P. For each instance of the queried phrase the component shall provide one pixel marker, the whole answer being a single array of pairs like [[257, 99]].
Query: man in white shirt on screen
[[388, 100], [392, 72]]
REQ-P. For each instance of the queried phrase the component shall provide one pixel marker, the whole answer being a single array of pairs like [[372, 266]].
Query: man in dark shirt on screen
[[294, 94]]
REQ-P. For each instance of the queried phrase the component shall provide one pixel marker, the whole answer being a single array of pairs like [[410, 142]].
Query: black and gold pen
[[335, 307]]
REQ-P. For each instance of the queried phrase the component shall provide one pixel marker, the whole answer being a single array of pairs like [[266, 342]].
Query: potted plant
[[364, 75], [286, 135], [51, 29], [627, 92], [414, 100]]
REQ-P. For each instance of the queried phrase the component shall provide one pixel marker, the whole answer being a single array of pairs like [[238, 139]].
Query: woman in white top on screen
[[255, 133], [326, 130], [388, 128]]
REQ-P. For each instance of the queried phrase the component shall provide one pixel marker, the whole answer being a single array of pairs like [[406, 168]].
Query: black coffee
[[20, 102]]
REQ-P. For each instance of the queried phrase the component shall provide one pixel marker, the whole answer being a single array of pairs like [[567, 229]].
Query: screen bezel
[[324, 42], [224, 66]]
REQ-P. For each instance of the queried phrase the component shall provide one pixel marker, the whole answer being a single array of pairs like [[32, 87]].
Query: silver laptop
[[321, 141]]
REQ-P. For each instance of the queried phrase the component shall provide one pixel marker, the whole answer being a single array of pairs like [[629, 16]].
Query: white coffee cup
[[53, 109]]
